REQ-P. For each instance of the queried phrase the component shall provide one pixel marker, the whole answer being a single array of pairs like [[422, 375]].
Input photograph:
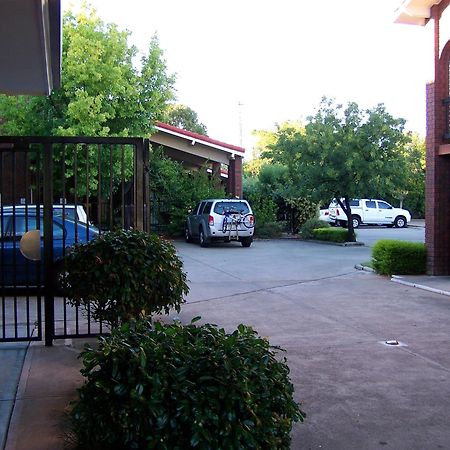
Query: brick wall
[[437, 230]]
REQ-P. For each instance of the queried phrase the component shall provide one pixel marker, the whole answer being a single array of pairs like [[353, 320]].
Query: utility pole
[[240, 122]]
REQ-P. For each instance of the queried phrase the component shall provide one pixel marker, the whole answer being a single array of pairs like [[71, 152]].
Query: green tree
[[344, 153], [183, 117], [101, 94]]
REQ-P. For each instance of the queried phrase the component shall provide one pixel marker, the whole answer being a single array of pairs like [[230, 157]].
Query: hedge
[[170, 387], [310, 225], [330, 234], [391, 257]]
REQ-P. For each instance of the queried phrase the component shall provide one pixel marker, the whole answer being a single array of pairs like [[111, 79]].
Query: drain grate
[[393, 343]]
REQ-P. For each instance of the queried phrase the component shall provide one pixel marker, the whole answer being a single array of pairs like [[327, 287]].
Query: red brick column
[[437, 190], [234, 185]]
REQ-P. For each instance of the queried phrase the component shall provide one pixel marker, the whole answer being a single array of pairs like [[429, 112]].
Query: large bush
[[391, 256], [179, 387], [124, 274], [310, 225], [300, 210], [330, 234]]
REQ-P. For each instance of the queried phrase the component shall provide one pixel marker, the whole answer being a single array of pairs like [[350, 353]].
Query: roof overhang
[[192, 148], [415, 12], [30, 46]]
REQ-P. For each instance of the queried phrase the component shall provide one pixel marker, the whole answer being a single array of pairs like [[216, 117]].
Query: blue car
[[16, 269]]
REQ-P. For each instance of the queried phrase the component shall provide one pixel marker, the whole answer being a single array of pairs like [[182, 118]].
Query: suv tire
[[204, 241], [246, 242], [187, 234], [400, 222]]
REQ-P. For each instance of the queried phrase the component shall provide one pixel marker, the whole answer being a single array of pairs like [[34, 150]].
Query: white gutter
[[195, 141]]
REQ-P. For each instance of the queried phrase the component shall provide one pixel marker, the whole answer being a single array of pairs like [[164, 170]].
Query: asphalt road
[[369, 235], [333, 321]]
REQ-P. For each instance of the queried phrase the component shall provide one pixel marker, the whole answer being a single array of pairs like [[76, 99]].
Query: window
[[197, 207], [354, 202], [207, 208], [384, 205], [371, 204], [231, 207], [24, 224]]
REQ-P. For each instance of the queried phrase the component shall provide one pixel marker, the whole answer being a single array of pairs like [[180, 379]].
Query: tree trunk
[[345, 206]]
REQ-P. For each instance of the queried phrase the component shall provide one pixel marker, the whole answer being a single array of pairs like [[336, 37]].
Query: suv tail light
[[252, 220], [337, 211], [211, 221]]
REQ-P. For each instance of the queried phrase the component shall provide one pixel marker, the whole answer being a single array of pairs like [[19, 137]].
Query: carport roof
[[195, 138]]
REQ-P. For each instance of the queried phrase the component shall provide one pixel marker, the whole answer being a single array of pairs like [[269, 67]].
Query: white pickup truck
[[370, 212]]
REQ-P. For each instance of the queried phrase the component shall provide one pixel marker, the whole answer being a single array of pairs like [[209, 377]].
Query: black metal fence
[[55, 192]]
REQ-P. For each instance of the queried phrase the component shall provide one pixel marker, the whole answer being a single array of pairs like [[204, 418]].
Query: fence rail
[[54, 192]]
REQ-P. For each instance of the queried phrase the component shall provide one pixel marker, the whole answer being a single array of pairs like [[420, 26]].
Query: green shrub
[[391, 256], [179, 387], [330, 234], [124, 274], [307, 228], [269, 229], [300, 210]]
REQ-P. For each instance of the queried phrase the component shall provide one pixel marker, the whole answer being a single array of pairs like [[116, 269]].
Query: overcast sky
[[278, 58]]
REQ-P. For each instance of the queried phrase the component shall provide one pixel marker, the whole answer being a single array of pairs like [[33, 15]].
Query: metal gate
[[55, 191]]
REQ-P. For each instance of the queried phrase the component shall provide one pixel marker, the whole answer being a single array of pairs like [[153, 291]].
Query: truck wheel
[[400, 222], [204, 241], [356, 221]]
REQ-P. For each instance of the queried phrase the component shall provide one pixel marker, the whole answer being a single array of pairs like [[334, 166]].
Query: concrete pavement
[[357, 392]]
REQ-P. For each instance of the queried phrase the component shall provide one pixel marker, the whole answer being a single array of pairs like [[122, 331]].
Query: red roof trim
[[200, 137]]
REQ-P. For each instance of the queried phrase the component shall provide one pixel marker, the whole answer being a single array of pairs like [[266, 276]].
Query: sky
[[247, 65]]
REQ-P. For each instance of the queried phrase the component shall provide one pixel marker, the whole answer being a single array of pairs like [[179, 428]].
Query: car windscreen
[[231, 207]]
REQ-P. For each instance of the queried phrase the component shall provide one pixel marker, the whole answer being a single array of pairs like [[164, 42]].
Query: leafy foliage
[[391, 256], [330, 234], [185, 118], [344, 153], [124, 274], [300, 210], [310, 225], [101, 94], [177, 387], [178, 190]]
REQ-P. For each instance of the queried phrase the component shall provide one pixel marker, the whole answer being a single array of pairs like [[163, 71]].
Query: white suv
[[221, 219], [370, 211]]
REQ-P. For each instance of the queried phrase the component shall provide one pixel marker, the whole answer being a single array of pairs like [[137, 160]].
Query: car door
[[370, 212], [386, 212], [194, 218]]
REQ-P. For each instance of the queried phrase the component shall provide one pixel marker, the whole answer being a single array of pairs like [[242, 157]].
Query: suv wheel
[[246, 242], [187, 234], [204, 242], [400, 222]]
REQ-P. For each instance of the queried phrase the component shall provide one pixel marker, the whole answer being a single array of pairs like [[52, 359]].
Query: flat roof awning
[[415, 12]]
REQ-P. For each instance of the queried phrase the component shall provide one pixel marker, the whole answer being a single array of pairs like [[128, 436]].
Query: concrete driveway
[[332, 320]]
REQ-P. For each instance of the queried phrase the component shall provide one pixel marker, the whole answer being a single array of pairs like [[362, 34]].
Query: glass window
[[231, 207], [371, 204], [24, 224], [384, 205], [354, 202], [196, 208], [207, 208]]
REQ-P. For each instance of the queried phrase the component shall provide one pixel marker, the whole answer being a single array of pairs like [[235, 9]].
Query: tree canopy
[[101, 93], [183, 117], [344, 152]]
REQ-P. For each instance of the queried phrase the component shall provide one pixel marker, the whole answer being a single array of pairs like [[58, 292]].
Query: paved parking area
[[332, 321]]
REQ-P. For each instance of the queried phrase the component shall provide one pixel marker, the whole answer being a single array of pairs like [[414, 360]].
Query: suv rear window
[[232, 207], [207, 208]]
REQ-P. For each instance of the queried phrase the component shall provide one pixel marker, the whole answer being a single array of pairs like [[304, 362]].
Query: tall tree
[[345, 152], [183, 117], [101, 93]]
